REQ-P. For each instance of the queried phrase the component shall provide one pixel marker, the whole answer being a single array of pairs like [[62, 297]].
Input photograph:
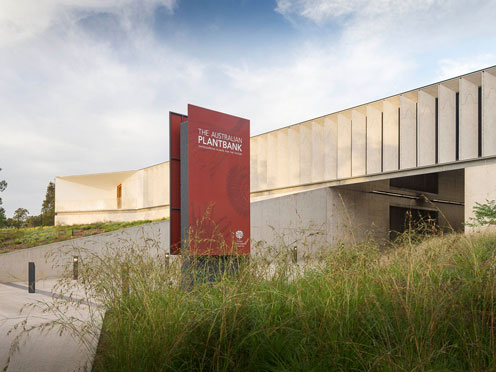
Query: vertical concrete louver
[[426, 132], [358, 141], [344, 145], [446, 140], [374, 138], [469, 107], [454, 120], [390, 134], [408, 131], [488, 113]]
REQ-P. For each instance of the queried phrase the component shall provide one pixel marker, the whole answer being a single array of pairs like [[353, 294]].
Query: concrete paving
[[48, 350]]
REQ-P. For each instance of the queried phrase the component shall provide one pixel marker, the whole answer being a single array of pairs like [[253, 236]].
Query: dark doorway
[[403, 219], [119, 196]]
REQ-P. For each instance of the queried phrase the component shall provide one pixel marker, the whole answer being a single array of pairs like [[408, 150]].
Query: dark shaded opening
[[422, 182], [457, 111], [119, 196], [479, 122], [382, 142], [416, 135], [411, 219], [399, 138], [366, 142], [437, 131]]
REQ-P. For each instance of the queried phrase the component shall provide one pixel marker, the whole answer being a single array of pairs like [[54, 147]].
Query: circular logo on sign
[[239, 234]]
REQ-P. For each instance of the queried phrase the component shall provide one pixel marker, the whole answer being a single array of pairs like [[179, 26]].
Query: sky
[[86, 85]]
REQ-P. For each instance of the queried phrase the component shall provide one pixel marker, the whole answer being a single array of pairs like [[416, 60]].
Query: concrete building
[[118, 196], [350, 173]]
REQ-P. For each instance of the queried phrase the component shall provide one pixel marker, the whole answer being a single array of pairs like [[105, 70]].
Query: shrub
[[485, 214]]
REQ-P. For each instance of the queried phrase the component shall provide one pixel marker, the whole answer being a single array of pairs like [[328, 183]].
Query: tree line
[[21, 217]]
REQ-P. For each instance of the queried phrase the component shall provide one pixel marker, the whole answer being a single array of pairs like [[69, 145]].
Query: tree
[[3, 218], [48, 206], [34, 221], [20, 217]]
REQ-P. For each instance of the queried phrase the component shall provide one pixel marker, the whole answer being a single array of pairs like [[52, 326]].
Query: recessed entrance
[[119, 196], [410, 219]]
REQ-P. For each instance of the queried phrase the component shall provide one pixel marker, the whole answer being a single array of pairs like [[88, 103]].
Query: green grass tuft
[[423, 306]]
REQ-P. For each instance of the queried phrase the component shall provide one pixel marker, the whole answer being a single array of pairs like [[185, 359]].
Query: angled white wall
[[480, 186]]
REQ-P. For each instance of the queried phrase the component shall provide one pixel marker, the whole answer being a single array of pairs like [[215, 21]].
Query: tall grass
[[419, 305]]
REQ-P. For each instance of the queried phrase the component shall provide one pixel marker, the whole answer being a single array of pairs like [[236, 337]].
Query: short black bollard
[[125, 280], [75, 268], [295, 254], [31, 278]]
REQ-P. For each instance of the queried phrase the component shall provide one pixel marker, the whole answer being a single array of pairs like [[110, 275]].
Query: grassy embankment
[[12, 239], [417, 306]]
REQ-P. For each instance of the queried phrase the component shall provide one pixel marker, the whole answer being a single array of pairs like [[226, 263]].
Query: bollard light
[[167, 255], [31, 278], [295, 254], [75, 263]]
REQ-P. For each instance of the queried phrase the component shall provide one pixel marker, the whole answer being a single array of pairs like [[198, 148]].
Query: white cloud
[[73, 102], [321, 11], [449, 68], [24, 19]]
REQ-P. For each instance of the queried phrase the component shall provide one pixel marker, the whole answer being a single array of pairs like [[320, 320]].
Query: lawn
[[12, 239]]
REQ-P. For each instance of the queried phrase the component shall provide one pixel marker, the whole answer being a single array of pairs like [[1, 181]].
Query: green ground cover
[[12, 239], [422, 304]]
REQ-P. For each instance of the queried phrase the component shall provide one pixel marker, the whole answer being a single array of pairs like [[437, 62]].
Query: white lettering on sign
[[219, 141]]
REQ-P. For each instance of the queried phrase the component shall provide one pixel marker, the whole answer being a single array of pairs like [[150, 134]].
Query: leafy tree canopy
[[3, 218], [20, 217], [48, 206]]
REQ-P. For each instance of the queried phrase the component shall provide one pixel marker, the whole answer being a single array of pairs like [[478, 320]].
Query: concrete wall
[[52, 259], [321, 218], [80, 218], [480, 185]]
